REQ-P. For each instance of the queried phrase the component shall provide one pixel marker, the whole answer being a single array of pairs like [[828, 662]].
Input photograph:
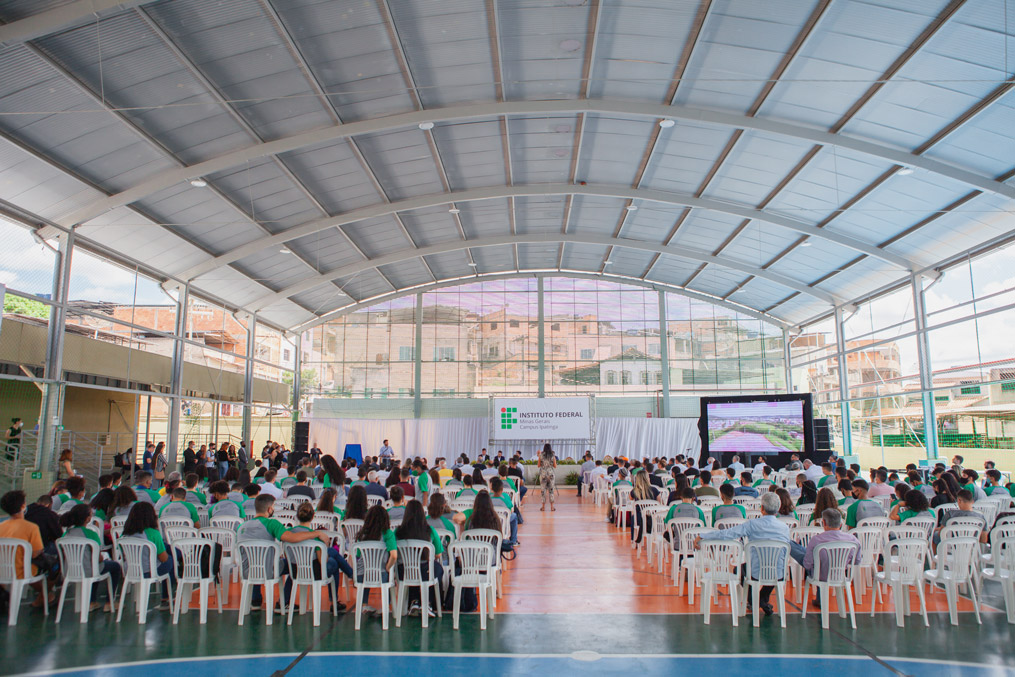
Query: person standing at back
[[547, 479], [387, 454]]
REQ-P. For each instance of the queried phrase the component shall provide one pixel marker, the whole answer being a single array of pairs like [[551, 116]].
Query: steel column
[[297, 385], [926, 368], [840, 358], [664, 354], [787, 359], [176, 385], [51, 412], [540, 339], [417, 358], [246, 427]]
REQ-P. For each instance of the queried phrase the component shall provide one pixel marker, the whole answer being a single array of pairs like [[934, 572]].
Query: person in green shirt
[[221, 505], [846, 489], [469, 490], [414, 526], [178, 506], [728, 507], [75, 492], [422, 478], [969, 476], [863, 507], [193, 494], [994, 483], [144, 486], [335, 565], [827, 476], [686, 507], [913, 504], [142, 523], [623, 476], [377, 527], [77, 522]]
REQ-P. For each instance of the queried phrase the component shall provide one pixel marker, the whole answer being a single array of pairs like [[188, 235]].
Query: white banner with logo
[[550, 418]]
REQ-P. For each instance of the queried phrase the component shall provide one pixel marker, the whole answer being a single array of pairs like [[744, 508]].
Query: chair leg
[[384, 607], [756, 591], [123, 596], [735, 603], [456, 609], [204, 588], [179, 603], [424, 597], [976, 603], [59, 606], [145, 590], [852, 611], [483, 597], [359, 606], [824, 607], [706, 600], [269, 599], [953, 612], [781, 591], [923, 603], [317, 605], [400, 597], [45, 598], [245, 593]]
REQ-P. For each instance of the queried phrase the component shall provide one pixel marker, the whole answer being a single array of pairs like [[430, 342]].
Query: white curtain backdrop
[[449, 437]]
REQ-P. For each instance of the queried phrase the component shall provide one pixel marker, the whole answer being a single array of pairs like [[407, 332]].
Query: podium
[[355, 452]]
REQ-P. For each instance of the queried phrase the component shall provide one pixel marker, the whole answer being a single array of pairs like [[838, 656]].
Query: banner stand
[[528, 444]]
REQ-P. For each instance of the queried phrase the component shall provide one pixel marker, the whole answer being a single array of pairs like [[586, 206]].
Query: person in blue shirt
[[745, 488], [146, 460], [765, 528]]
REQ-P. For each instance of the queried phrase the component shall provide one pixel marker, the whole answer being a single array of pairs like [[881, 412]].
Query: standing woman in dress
[[66, 469], [547, 464]]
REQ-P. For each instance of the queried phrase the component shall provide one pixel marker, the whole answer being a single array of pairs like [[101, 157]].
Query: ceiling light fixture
[[454, 210], [666, 124], [426, 126], [905, 171], [805, 244], [473, 264], [631, 208], [607, 263], [198, 183], [284, 251]]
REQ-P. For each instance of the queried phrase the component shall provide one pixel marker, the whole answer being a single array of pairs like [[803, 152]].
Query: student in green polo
[[827, 476], [422, 478], [468, 490], [178, 506], [728, 507], [75, 492], [194, 495], [77, 522], [846, 489], [994, 483], [221, 505], [144, 486], [623, 478], [913, 504], [863, 507], [686, 507], [142, 522]]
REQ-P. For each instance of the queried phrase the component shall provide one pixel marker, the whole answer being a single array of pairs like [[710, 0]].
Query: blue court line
[[371, 663]]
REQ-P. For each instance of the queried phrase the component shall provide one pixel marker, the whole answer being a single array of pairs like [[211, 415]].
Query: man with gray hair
[[831, 519], [764, 528]]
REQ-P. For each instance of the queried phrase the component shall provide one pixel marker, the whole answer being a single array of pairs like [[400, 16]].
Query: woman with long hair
[[142, 523], [334, 476], [913, 504], [945, 490], [414, 526], [335, 563], [124, 499], [441, 516], [77, 523], [377, 527], [825, 500], [808, 493], [66, 464], [477, 478], [547, 466], [482, 515], [356, 505], [786, 506], [643, 491], [159, 463]]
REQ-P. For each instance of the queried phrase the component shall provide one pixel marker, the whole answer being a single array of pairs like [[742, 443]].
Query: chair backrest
[[803, 535], [988, 509], [138, 557], [224, 536], [325, 521], [373, 500], [505, 520], [370, 557], [490, 536], [946, 507], [472, 561], [720, 559], [962, 529], [909, 555], [729, 522], [907, 530], [301, 558], [677, 527], [601, 484], [413, 555], [118, 520], [872, 542], [926, 523], [956, 555], [260, 561], [191, 553], [833, 562], [687, 537], [170, 534], [227, 522], [11, 551], [622, 495], [350, 528], [879, 522], [789, 521], [753, 514], [766, 560], [79, 558], [804, 512], [1002, 548]]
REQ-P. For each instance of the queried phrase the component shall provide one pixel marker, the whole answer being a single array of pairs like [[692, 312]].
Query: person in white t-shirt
[[812, 471], [759, 466], [737, 466], [269, 484]]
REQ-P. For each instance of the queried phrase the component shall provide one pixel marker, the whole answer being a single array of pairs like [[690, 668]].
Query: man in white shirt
[[709, 464], [269, 484], [598, 471], [759, 466], [736, 465], [283, 472], [811, 471], [386, 453]]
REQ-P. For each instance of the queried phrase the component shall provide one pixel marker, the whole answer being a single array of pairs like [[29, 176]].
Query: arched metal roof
[[798, 154]]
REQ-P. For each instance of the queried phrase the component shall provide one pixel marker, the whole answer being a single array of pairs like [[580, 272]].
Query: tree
[[308, 381], [23, 306]]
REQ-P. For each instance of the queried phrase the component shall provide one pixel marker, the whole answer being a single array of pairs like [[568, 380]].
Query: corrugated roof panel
[[652, 222], [684, 154], [537, 256], [402, 161], [32, 184], [333, 175], [717, 280], [285, 314], [494, 259], [596, 215], [473, 153], [706, 230], [850, 49], [201, 216], [230, 285], [755, 166], [268, 194], [407, 273], [349, 49], [630, 262], [739, 48], [321, 299], [325, 250], [613, 148], [979, 220], [274, 269], [639, 44], [861, 277], [672, 270], [237, 47], [583, 257], [759, 242], [450, 264], [485, 218], [811, 263], [365, 284], [542, 48], [543, 214], [431, 226], [984, 144], [377, 236], [542, 148], [801, 308], [448, 50]]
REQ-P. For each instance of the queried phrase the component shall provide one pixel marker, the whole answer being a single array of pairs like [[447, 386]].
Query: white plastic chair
[[773, 558], [622, 504], [229, 565], [955, 560], [226, 522], [729, 523], [505, 521], [79, 563], [170, 534], [656, 516], [301, 557], [838, 564], [325, 521], [495, 540], [370, 560], [373, 500], [166, 522], [872, 544], [879, 522], [260, 564], [720, 565], [989, 509], [118, 521], [140, 571], [789, 521], [473, 556], [641, 507], [679, 549], [413, 555], [350, 529], [1002, 559], [903, 569], [191, 552]]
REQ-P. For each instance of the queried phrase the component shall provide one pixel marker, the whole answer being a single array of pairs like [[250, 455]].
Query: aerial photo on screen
[[761, 427]]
